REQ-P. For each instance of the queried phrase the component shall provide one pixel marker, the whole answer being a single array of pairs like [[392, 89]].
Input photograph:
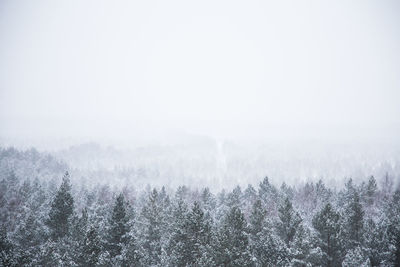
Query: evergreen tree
[[61, 210], [151, 231], [356, 257], [354, 222], [232, 244], [269, 195], [118, 227], [79, 228], [257, 218], [326, 222], [208, 200], [267, 249], [289, 221], [370, 191], [394, 228], [199, 234], [7, 257], [178, 246], [91, 248], [30, 235], [376, 245], [234, 198]]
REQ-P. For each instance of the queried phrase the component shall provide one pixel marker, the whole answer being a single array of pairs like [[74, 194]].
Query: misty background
[[204, 93]]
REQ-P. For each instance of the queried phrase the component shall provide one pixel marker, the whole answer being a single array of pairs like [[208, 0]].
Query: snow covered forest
[[200, 133], [48, 218]]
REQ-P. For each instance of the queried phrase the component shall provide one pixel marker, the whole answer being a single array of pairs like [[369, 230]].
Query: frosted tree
[[7, 257], [354, 222], [30, 235], [269, 195], [234, 198], [91, 248], [356, 257], [232, 244], [151, 221], [178, 243], [199, 234], [326, 222], [208, 199], [370, 191], [394, 228], [300, 247], [61, 210], [267, 248], [289, 221], [375, 240], [118, 227]]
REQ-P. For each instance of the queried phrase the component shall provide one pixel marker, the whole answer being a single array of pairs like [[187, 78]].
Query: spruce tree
[[7, 257], [151, 230], [208, 200], [90, 249], [257, 218], [354, 222], [118, 227], [269, 195], [267, 249], [61, 210], [326, 222], [289, 221], [30, 235], [370, 191], [394, 228], [199, 233], [232, 244], [178, 245]]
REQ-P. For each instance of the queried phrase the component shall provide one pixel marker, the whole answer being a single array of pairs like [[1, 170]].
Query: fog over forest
[[210, 133]]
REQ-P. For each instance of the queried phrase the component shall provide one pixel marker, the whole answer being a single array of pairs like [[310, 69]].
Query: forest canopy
[[54, 222]]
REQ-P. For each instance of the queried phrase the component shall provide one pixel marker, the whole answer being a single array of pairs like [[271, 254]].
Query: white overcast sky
[[120, 67]]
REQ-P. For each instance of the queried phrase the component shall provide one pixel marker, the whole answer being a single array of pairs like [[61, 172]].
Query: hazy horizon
[[225, 69]]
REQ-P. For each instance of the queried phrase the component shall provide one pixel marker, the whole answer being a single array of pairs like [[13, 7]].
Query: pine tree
[[354, 222], [370, 191], [178, 246], [61, 210], [118, 227], [257, 218], [234, 198], [151, 231], [7, 257], [356, 257], [326, 222], [269, 195], [199, 234], [30, 234], [79, 226], [289, 221], [376, 245], [208, 200], [269, 249], [266, 247], [394, 228], [232, 244], [90, 249]]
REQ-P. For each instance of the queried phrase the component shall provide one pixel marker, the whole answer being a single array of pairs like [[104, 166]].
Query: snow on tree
[[232, 244], [61, 210], [326, 222], [289, 221]]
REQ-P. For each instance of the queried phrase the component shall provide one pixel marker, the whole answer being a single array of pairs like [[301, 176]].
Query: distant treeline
[[45, 224]]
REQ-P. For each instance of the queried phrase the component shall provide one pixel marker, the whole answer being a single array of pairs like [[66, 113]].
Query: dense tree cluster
[[64, 224]]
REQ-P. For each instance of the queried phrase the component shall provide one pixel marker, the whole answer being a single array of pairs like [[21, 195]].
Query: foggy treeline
[[48, 218]]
